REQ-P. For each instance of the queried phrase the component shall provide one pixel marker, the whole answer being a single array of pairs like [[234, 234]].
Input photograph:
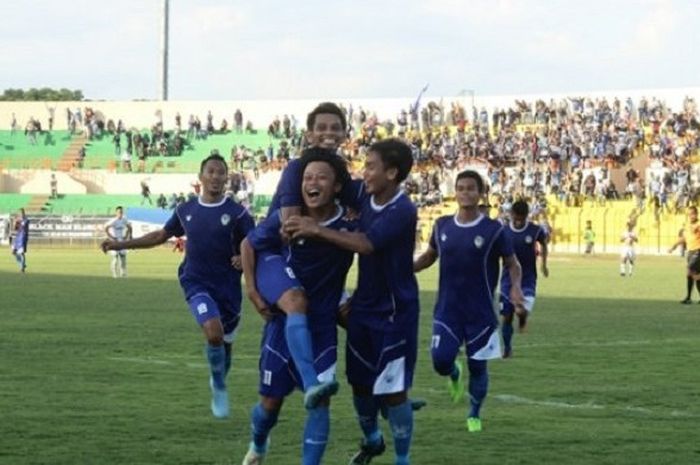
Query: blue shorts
[[204, 307], [278, 374], [383, 360], [482, 342], [274, 277]]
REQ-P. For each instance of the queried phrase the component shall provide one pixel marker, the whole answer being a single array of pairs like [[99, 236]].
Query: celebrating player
[[215, 226], [319, 268], [524, 236], [469, 246]]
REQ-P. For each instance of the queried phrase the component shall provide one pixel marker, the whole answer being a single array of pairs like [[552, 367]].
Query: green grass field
[[101, 371]]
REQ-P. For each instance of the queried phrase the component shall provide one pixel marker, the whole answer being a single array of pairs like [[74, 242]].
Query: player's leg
[[114, 263], [507, 311], [278, 284], [22, 260], [394, 381], [623, 261], [122, 264], [317, 426], [478, 388], [444, 347], [263, 418], [206, 312], [630, 263], [361, 372]]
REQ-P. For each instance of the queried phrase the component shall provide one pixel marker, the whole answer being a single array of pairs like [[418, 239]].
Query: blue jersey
[[470, 257], [386, 285], [524, 241], [214, 234], [288, 192], [320, 266], [22, 235]]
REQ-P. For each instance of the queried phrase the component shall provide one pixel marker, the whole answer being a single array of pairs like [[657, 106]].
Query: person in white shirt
[[118, 229], [627, 256]]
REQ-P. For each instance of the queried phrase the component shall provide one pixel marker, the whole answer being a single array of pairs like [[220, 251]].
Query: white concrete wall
[[40, 183], [262, 112]]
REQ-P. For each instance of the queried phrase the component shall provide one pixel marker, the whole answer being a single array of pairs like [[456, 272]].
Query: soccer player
[[524, 236], [19, 243], [215, 226], [628, 255], [691, 240], [382, 325], [118, 229], [469, 246], [320, 268]]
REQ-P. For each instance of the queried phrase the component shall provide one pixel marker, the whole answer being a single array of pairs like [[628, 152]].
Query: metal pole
[[164, 53]]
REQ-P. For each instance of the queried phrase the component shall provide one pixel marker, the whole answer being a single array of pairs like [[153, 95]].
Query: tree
[[43, 94]]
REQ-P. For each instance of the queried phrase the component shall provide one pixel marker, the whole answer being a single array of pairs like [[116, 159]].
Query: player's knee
[[443, 364], [476, 367], [271, 404], [293, 301], [213, 331], [394, 399]]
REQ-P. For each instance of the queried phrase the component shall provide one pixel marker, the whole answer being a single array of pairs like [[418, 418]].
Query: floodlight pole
[[164, 53]]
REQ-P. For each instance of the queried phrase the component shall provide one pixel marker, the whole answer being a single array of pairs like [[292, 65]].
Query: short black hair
[[693, 208], [213, 156], [471, 174], [520, 208], [119, 207], [394, 154], [338, 164], [326, 108]]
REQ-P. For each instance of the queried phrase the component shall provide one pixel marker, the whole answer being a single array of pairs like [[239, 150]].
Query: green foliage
[[102, 371], [45, 94]]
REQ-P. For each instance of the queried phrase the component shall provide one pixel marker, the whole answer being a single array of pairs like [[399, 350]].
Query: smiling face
[[318, 185], [376, 177], [327, 131], [213, 177], [467, 193]]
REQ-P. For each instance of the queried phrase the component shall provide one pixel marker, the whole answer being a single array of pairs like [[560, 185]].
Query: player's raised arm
[[147, 241]]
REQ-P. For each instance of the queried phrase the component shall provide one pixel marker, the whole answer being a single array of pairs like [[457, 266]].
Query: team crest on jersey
[[478, 242], [443, 237], [225, 219], [188, 217], [528, 239]]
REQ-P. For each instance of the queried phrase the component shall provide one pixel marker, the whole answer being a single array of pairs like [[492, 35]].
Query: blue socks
[[298, 337], [367, 409], [401, 422], [216, 355], [227, 360], [262, 422], [478, 385], [507, 330], [315, 435]]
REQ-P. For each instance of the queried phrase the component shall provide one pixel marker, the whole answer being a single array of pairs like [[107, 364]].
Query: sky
[[229, 49]]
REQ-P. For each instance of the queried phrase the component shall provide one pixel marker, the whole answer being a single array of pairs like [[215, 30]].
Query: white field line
[[640, 342], [513, 399]]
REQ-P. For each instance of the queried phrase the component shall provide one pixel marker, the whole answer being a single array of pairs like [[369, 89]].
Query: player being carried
[[382, 326], [320, 269], [470, 247], [210, 272], [524, 236]]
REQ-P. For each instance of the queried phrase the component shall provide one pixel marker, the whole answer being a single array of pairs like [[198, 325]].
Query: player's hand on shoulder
[[236, 262]]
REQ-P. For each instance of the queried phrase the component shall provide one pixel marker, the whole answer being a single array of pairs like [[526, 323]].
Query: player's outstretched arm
[[512, 265], [147, 241], [304, 226], [425, 260], [248, 266]]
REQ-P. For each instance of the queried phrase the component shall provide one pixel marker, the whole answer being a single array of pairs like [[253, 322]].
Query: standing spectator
[[13, 125], [589, 238], [145, 193], [54, 186]]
